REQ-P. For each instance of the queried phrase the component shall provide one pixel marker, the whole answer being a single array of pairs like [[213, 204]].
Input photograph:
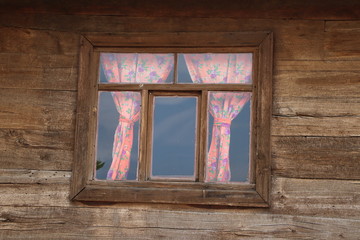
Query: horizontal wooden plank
[[295, 39], [35, 60], [325, 93], [304, 42], [25, 176], [18, 70], [321, 107], [123, 223], [36, 149], [38, 71], [61, 22], [316, 157], [305, 66], [114, 24], [38, 78], [178, 39], [171, 184], [37, 109], [342, 46], [327, 198], [180, 195], [313, 197], [22, 40], [34, 194], [315, 126], [342, 26], [332, 9], [317, 83]]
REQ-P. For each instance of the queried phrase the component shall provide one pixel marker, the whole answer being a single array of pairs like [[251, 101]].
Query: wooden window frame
[[254, 194]]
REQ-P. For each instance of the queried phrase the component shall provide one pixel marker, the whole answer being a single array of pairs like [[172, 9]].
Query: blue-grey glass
[[169, 79], [174, 136], [107, 123], [239, 156], [183, 75]]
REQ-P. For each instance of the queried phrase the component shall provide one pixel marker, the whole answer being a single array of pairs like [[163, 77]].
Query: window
[[174, 118]]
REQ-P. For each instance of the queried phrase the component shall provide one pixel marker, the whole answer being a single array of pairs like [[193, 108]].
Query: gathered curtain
[[130, 68], [223, 106]]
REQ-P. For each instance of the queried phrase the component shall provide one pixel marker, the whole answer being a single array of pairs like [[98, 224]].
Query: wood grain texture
[[178, 39], [342, 45], [295, 39], [34, 194], [342, 26], [38, 78], [262, 122], [307, 9], [32, 71], [28, 41], [122, 223], [326, 93], [337, 199], [341, 126], [327, 198], [21, 176], [86, 115], [316, 157], [37, 109], [341, 39], [319, 66], [35, 61], [36, 149]]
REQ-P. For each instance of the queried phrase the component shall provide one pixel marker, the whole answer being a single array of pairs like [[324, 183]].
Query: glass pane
[[136, 68], [174, 137], [228, 137], [118, 135], [215, 68]]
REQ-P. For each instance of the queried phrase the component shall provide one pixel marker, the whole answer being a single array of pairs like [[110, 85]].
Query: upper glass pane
[[136, 68], [118, 135], [174, 137], [215, 68], [228, 137]]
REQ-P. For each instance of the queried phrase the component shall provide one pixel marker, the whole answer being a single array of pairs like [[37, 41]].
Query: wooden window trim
[[254, 194]]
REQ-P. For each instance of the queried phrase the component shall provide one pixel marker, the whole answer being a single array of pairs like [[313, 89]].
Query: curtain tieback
[[126, 121], [224, 122]]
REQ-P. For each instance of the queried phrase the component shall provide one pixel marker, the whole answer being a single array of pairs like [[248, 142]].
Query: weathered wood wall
[[315, 124]]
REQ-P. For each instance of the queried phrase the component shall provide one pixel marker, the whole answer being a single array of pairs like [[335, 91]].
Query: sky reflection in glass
[[174, 136]]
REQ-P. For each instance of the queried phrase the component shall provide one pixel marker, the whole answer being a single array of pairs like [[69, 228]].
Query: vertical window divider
[[175, 68], [202, 135], [142, 173], [149, 131]]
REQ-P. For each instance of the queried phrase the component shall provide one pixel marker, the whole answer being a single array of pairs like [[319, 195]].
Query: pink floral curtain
[[223, 106], [130, 68]]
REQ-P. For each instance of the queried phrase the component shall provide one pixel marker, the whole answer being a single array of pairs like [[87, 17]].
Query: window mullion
[[176, 68], [142, 169], [202, 135]]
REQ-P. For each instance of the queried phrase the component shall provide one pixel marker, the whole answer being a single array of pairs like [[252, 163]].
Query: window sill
[[239, 194]]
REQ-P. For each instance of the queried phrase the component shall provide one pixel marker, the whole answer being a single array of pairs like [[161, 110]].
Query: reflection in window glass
[[118, 135], [215, 68], [136, 68], [228, 137], [174, 137]]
